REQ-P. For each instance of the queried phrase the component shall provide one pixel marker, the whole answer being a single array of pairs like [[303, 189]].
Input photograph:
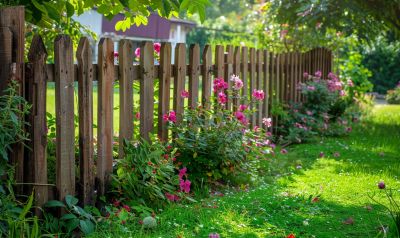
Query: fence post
[[206, 73], [13, 18], [260, 62], [165, 87], [194, 67], [252, 83], [266, 78], [179, 80], [36, 96], [245, 70], [228, 73], [65, 127], [236, 71], [85, 108], [105, 113]]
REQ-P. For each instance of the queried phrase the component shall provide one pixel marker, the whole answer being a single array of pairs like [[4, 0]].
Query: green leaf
[[86, 226], [70, 9], [68, 217], [71, 200], [39, 6], [54, 203], [27, 207]]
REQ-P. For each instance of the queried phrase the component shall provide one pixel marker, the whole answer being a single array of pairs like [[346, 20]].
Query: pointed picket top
[[37, 50]]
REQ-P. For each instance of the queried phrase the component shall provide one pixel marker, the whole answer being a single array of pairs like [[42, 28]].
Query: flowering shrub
[[147, 176], [215, 143], [322, 112], [393, 96]]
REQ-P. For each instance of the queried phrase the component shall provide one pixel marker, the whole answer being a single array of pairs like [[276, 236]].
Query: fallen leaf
[[348, 221]]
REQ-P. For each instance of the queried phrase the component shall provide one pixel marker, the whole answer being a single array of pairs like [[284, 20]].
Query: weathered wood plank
[[105, 113], [85, 108], [245, 70], [228, 74], [179, 79], [194, 73], [266, 79], [206, 73], [65, 127], [236, 71], [259, 83], [125, 54], [36, 96], [165, 87], [219, 61], [5, 57], [253, 84], [146, 90]]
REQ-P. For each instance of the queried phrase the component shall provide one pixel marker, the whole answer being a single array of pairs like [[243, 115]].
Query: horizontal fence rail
[[277, 74]]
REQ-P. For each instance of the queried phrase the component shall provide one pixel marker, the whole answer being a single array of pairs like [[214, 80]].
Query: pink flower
[[172, 197], [213, 235], [268, 134], [222, 99], [241, 117], [318, 25], [309, 112], [184, 94], [256, 128], [116, 54], [267, 122], [182, 172], [311, 88], [336, 154], [219, 85], [350, 83], [137, 115], [258, 94], [157, 47], [349, 129], [242, 107], [342, 93], [237, 82], [170, 116], [321, 154], [185, 185], [284, 151], [318, 74], [306, 75], [137, 52]]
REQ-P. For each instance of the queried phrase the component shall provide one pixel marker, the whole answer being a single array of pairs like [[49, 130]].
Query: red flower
[[291, 236]]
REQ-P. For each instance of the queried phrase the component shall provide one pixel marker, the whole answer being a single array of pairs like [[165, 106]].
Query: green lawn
[[282, 204]]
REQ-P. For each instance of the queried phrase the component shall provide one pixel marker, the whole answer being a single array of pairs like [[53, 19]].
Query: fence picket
[[65, 127], [228, 73], [179, 79], [146, 89], [236, 71], [259, 83], [105, 113], [245, 69], [252, 83], [85, 109], [165, 87], [206, 73], [194, 73], [36, 96], [266, 78]]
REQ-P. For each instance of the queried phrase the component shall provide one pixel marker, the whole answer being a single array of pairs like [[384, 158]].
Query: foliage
[[383, 59], [15, 218], [393, 96], [146, 177], [366, 19], [47, 13], [74, 219], [215, 144], [12, 106]]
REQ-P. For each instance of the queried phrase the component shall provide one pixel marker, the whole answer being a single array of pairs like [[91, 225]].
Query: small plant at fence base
[[216, 144]]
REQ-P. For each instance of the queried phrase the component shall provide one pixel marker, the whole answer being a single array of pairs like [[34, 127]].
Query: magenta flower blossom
[[182, 172], [258, 94], [170, 116], [349, 129], [116, 54], [237, 82], [222, 99], [267, 122], [213, 235], [172, 197], [309, 113], [241, 117], [318, 74], [342, 93], [311, 88], [185, 185], [306, 75], [137, 115], [321, 154], [137, 52], [268, 134], [284, 151], [184, 94], [242, 107], [219, 85], [381, 185], [157, 47]]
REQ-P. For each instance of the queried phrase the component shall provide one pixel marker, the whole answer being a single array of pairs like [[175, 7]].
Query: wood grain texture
[[125, 55], [265, 86], [5, 57], [206, 72], [194, 73], [65, 127], [146, 89], [219, 61], [236, 71], [165, 87], [245, 74], [253, 84], [228, 74], [179, 79], [105, 113], [85, 109], [36, 96]]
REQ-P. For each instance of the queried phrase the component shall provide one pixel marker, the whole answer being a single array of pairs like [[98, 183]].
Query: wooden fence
[[276, 74]]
